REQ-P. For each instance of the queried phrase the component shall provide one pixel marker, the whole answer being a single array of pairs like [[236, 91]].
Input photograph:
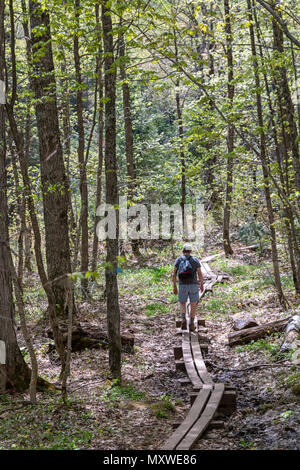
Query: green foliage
[[292, 380], [163, 408], [155, 308], [247, 444], [254, 233], [287, 414], [269, 345], [36, 427], [117, 393]]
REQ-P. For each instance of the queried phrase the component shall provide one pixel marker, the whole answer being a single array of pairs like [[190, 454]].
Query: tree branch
[[279, 20]]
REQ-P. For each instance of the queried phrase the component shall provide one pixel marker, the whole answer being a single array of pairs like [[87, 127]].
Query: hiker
[[187, 267]]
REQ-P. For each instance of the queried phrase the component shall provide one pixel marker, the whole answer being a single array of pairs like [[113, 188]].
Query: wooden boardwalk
[[210, 398]]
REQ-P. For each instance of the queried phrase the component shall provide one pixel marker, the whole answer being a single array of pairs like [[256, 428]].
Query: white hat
[[187, 247]]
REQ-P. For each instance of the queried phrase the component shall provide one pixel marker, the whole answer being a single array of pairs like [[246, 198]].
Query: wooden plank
[[203, 421], [207, 259], [207, 269], [188, 360], [199, 362], [206, 272], [180, 365], [190, 419], [177, 352], [211, 257], [184, 381]]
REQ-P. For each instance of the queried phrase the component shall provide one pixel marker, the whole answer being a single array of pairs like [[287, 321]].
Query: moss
[[293, 379], [265, 407], [296, 389], [163, 409]]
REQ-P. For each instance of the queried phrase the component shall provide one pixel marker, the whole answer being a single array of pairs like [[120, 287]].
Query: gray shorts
[[188, 290]]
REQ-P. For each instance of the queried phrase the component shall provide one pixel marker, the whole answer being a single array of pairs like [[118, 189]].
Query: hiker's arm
[[174, 279], [200, 277]]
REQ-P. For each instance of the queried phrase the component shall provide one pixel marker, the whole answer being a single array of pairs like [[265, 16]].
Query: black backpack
[[185, 268]]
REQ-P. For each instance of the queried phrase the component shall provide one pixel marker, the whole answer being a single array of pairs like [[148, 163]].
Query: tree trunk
[[15, 373], [131, 176], [283, 176], [53, 177], [111, 182], [230, 133], [84, 264], [286, 103], [182, 156], [264, 160], [100, 138]]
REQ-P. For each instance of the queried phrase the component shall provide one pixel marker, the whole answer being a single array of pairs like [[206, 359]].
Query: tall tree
[[99, 78], [15, 373], [80, 152], [264, 158], [53, 177], [230, 132], [111, 186]]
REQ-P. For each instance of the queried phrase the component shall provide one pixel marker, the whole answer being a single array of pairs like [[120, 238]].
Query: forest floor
[[140, 413]]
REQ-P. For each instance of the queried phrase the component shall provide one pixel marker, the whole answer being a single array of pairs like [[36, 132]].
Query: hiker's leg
[[193, 309], [182, 308], [183, 315], [182, 298], [193, 306], [194, 299]]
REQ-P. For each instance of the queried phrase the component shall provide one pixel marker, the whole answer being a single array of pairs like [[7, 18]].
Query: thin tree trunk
[[100, 138], [69, 340], [15, 373], [287, 213], [181, 152], [230, 133], [25, 332], [296, 85], [131, 176], [264, 160], [113, 310], [286, 103], [65, 97], [84, 264]]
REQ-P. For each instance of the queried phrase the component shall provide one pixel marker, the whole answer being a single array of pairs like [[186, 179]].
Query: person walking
[[187, 268]]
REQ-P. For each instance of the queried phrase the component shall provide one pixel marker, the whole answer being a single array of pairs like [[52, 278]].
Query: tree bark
[[264, 160], [15, 373], [111, 183], [279, 20], [286, 104], [53, 177], [131, 174], [84, 264], [230, 133], [257, 332], [100, 138]]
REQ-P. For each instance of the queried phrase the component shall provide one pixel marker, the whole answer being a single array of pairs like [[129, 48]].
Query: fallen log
[[93, 337], [256, 332]]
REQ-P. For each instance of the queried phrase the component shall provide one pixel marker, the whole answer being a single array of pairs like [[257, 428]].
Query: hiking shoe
[[192, 327], [183, 325]]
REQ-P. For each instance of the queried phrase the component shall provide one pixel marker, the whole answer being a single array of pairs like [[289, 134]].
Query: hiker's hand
[[175, 290]]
